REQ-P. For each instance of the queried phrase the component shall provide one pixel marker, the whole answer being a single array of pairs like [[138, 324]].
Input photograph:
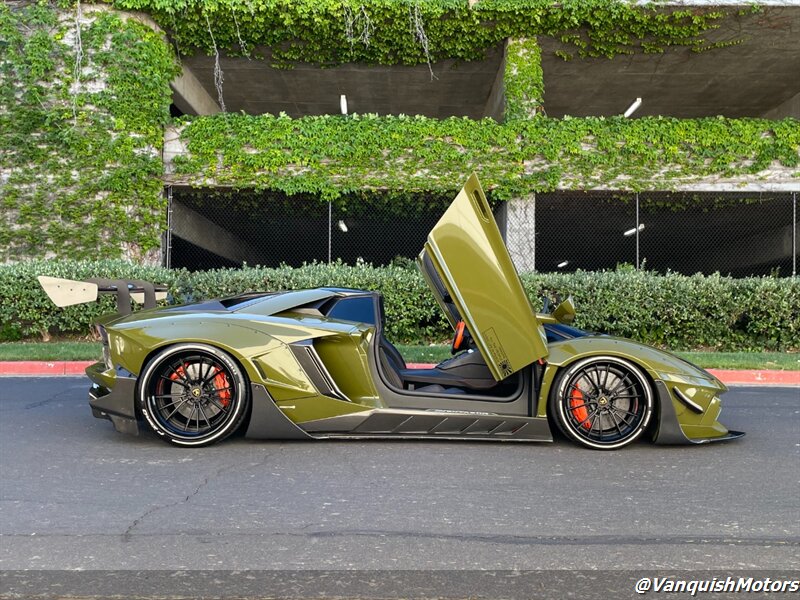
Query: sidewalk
[[76, 368]]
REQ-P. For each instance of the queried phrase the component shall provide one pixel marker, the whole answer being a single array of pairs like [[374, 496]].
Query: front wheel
[[602, 402], [193, 394]]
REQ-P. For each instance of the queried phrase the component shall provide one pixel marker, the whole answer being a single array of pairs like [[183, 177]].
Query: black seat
[[392, 362], [394, 368]]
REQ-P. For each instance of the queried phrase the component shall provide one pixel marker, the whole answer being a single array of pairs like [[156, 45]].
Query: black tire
[[193, 394], [602, 402]]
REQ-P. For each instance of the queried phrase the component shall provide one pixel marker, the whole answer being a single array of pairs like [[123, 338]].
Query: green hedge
[[669, 310]]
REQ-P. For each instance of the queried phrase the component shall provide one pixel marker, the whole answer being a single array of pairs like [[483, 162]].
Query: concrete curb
[[752, 377], [42, 368], [74, 368]]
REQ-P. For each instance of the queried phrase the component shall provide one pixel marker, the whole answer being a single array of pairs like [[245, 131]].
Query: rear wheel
[[602, 402], [193, 394]]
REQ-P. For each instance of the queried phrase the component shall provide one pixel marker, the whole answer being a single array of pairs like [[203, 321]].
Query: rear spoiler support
[[66, 292]]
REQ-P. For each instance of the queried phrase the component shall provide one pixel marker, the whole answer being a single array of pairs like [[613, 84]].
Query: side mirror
[[565, 311]]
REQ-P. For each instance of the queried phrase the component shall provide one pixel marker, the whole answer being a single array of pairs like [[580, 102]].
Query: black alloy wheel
[[193, 394], [602, 402]]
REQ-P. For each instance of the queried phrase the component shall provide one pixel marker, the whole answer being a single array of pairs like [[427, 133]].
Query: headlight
[[709, 381]]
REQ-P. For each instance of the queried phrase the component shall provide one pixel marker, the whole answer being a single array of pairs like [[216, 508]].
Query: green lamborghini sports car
[[315, 364]]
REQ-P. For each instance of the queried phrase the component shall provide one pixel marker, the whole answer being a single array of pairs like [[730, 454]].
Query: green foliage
[[81, 168], [332, 155], [330, 32], [26, 309], [672, 310], [681, 312], [81, 156], [524, 79]]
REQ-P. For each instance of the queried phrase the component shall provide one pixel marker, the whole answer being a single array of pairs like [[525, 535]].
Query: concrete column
[[521, 91], [173, 146], [521, 232]]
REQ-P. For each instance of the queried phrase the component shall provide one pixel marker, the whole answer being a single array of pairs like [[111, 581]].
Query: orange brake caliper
[[221, 383], [178, 373], [577, 404]]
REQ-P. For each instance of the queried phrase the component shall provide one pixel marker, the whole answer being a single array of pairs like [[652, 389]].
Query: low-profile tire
[[602, 402], [193, 394]]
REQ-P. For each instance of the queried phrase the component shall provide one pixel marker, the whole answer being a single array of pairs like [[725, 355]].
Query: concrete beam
[[190, 96], [790, 108], [495, 104], [776, 178], [143, 18], [745, 183], [757, 249], [198, 230]]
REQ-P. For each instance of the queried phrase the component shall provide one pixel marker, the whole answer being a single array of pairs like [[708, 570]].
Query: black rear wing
[[66, 292]]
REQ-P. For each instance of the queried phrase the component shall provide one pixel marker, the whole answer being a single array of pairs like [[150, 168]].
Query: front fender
[[687, 397]]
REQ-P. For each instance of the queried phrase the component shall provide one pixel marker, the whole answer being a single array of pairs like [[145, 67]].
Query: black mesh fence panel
[[211, 229], [578, 230], [736, 233], [381, 228]]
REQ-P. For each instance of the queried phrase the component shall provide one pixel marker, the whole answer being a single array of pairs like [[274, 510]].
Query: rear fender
[[132, 345], [267, 359]]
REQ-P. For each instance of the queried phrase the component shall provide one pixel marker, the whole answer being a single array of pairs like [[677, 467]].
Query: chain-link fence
[[737, 233], [210, 229], [734, 233]]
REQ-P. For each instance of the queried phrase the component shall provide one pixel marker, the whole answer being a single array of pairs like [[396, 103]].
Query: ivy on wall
[[524, 79], [82, 111], [330, 32], [331, 155]]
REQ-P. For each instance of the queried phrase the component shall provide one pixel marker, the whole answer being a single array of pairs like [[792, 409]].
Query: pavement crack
[[53, 398], [128, 533]]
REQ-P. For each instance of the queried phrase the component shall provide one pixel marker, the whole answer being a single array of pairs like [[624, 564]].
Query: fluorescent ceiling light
[[343, 104], [633, 230], [633, 107], [563, 264]]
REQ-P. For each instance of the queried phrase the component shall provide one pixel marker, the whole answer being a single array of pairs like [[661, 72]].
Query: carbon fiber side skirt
[[400, 423]]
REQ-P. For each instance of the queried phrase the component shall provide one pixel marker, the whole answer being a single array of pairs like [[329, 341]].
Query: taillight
[[101, 331]]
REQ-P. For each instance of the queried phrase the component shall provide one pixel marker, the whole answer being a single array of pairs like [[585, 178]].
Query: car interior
[[464, 375]]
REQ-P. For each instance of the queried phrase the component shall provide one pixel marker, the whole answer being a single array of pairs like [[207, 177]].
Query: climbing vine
[[330, 32], [523, 78], [84, 96], [331, 155]]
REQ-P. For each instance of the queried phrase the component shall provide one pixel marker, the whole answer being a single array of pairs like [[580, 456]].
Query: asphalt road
[[74, 494]]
